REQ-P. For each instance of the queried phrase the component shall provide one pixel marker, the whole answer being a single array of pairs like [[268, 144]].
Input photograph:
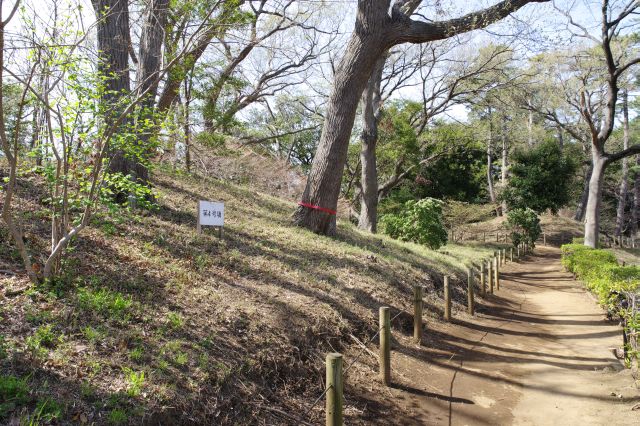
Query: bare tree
[[378, 27], [617, 59]]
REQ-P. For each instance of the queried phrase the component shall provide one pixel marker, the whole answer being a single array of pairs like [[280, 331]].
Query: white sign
[[210, 213]]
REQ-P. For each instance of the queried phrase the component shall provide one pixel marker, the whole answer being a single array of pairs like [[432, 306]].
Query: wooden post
[[518, 251], [490, 275], [417, 313], [385, 345], [497, 237], [484, 237], [511, 253], [483, 282], [333, 408], [496, 277], [504, 256], [447, 299], [624, 263], [470, 304]]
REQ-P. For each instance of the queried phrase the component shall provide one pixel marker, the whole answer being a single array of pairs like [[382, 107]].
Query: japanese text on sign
[[211, 213]]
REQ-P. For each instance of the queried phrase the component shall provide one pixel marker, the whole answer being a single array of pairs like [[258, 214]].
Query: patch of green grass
[[36, 316], [3, 348], [93, 335], [173, 352], [87, 391], [111, 304], [14, 392], [135, 380], [117, 416], [44, 339], [175, 321], [47, 411], [136, 354]]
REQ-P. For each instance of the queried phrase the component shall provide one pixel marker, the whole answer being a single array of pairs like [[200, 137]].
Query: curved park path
[[538, 352]]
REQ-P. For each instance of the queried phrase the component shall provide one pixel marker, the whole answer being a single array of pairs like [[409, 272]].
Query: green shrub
[[602, 275], [419, 222], [524, 225]]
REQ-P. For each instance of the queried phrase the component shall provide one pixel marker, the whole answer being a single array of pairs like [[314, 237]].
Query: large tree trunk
[[592, 211], [113, 65], [368, 218], [584, 198], [622, 196], [147, 79], [378, 27], [323, 184]]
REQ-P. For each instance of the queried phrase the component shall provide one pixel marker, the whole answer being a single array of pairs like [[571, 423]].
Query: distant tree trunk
[[584, 198], [490, 186], [622, 196], [187, 122], [368, 218], [592, 211], [560, 138], [505, 163], [113, 65], [530, 129], [635, 211]]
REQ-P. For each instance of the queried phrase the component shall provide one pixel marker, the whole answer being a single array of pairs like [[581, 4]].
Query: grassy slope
[[232, 330]]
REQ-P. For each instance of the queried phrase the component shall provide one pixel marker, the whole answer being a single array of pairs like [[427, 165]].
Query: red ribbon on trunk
[[311, 206]]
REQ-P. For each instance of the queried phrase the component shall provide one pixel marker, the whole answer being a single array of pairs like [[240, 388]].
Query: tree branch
[[407, 30]]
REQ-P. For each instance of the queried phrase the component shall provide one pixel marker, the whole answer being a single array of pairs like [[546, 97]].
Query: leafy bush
[[540, 178], [600, 272], [524, 225], [419, 221]]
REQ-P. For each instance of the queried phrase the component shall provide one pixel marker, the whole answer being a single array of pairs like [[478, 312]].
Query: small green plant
[[117, 416], [175, 320], [42, 340], [47, 411], [524, 224], [14, 392], [136, 354], [110, 304], [419, 221], [181, 358], [92, 335], [135, 381]]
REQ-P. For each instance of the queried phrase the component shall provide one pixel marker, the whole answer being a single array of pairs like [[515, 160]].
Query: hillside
[[152, 322]]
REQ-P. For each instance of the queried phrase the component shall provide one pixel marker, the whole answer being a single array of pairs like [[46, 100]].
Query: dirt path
[[537, 353]]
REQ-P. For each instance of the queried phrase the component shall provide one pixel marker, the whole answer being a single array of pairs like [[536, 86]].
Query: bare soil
[[537, 352]]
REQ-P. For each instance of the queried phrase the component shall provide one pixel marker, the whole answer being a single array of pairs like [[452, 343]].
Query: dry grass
[[154, 323]]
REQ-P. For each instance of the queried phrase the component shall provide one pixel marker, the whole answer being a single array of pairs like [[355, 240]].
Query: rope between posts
[[306, 413]]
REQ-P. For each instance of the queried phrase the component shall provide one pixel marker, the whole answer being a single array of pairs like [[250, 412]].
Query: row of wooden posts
[[620, 241], [506, 237], [489, 279]]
